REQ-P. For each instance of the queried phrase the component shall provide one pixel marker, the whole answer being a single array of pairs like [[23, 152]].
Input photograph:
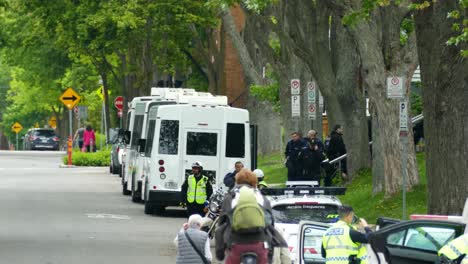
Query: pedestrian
[[193, 245], [281, 255], [456, 251], [196, 190], [293, 155], [246, 223], [313, 139], [342, 243], [78, 137], [336, 148], [313, 158], [229, 179], [89, 139]]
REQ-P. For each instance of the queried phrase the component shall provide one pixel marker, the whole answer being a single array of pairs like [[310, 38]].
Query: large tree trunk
[[444, 76], [382, 57]]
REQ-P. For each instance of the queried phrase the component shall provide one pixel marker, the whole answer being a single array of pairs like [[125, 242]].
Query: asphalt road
[[52, 215]]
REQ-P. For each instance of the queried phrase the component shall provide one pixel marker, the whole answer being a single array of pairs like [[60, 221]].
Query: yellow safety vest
[[338, 244], [362, 251], [456, 248], [196, 190]]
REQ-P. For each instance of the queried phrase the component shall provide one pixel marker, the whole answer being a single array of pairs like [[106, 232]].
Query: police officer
[[196, 190], [260, 179], [293, 155], [455, 252], [341, 243]]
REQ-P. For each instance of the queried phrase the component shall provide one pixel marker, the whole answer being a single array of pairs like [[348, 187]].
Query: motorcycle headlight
[[213, 207]]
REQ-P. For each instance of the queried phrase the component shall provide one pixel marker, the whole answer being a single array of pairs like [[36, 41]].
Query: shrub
[[99, 158]]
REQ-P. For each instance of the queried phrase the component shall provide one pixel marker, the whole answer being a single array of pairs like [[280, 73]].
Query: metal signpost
[[70, 98], [17, 127], [404, 142]]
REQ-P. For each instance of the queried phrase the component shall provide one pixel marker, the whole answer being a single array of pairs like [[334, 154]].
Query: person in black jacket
[[229, 179], [336, 149], [313, 139], [313, 157], [293, 153]]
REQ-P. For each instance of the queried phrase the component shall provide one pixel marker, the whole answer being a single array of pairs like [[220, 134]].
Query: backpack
[[248, 215]]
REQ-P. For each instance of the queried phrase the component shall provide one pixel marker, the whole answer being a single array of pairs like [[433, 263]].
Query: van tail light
[[161, 169], [161, 162], [118, 149]]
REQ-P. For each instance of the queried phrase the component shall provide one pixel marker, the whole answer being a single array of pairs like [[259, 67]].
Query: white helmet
[[259, 173], [197, 164]]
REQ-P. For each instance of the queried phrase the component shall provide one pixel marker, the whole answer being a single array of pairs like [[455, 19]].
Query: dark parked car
[[116, 139], [41, 138]]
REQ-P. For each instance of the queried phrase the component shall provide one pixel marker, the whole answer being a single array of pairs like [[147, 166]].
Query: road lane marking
[[108, 216]]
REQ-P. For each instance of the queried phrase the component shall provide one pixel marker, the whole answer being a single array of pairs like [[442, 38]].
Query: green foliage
[[359, 192], [406, 28], [268, 92], [97, 159], [416, 104]]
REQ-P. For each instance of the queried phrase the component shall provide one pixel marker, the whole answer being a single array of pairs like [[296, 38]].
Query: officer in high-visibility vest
[[196, 190], [341, 242], [455, 252]]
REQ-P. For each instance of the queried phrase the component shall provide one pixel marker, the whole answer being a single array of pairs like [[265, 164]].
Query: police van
[[160, 96], [204, 130], [136, 124]]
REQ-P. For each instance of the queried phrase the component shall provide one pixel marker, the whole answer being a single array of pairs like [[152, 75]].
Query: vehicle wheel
[[148, 208], [160, 209], [117, 170], [124, 187], [136, 194], [111, 169]]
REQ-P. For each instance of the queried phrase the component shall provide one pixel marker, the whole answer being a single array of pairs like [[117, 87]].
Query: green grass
[[359, 192]]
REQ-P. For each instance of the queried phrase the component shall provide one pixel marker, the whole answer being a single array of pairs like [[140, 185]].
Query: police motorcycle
[[211, 218]]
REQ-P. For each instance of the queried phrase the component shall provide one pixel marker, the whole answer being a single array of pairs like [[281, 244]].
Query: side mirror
[[127, 136], [141, 145]]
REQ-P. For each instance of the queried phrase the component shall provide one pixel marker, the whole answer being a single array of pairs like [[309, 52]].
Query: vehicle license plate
[[171, 185]]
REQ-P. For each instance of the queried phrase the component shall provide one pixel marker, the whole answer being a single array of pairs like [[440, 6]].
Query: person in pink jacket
[[89, 140]]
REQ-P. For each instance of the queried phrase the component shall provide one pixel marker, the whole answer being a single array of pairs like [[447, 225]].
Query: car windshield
[[294, 213], [44, 133]]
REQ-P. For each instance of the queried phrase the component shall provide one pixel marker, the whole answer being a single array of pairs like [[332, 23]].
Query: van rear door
[[203, 146]]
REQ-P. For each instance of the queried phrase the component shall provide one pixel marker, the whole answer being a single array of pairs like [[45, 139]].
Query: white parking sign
[[395, 87], [295, 106]]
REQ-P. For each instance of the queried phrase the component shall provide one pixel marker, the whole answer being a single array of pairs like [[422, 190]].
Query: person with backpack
[[193, 245], [246, 224], [196, 190]]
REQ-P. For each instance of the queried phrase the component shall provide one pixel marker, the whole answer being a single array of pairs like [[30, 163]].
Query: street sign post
[[17, 127], [403, 106], [395, 87], [70, 98]]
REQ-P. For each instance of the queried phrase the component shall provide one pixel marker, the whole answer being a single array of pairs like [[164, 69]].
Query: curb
[[66, 166]]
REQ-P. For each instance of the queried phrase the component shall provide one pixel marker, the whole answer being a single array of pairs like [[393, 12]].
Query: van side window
[[201, 143], [150, 138], [129, 116], [169, 137], [235, 140], [136, 131]]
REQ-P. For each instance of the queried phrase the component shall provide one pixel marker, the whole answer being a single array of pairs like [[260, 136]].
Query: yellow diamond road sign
[[70, 98], [17, 127]]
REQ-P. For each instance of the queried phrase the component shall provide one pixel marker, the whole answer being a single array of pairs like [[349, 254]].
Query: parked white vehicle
[[166, 96], [136, 130], [209, 132]]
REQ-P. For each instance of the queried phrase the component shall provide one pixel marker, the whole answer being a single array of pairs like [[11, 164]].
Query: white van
[[165, 96], [209, 132], [136, 124]]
